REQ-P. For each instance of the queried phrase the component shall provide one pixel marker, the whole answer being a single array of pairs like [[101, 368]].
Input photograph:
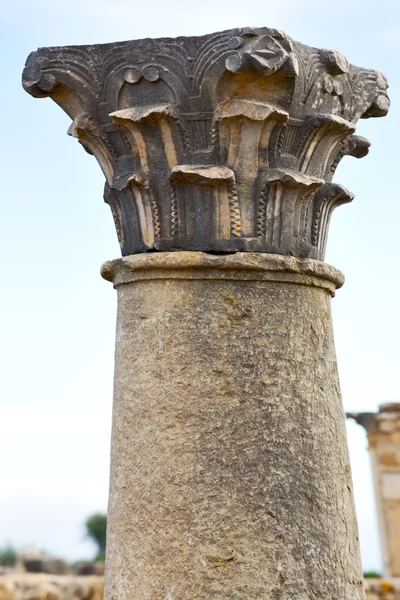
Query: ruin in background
[[383, 430]]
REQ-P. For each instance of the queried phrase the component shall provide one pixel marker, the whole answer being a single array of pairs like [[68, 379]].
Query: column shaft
[[230, 476]]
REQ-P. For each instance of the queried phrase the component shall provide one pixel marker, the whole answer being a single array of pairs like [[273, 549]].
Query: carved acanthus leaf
[[224, 142], [326, 199]]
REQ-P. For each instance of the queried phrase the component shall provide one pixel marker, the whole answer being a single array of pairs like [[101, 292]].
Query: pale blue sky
[[57, 317]]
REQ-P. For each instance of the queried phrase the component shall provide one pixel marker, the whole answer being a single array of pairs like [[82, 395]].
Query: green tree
[[8, 556], [96, 527]]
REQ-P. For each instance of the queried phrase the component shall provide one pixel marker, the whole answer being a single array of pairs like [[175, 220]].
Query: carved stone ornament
[[226, 142]]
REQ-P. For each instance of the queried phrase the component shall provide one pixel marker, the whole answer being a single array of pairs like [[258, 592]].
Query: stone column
[[383, 430], [230, 476]]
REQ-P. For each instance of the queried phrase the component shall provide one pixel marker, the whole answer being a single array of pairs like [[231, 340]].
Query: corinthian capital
[[226, 142]]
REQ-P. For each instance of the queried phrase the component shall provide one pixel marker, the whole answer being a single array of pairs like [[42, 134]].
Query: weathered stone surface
[[225, 142], [383, 429], [230, 476], [237, 267]]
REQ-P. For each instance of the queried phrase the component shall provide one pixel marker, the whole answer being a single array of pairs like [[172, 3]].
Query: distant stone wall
[[382, 589], [40, 586]]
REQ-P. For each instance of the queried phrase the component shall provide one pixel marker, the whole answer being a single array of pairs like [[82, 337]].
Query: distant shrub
[[96, 527], [372, 575], [8, 556]]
